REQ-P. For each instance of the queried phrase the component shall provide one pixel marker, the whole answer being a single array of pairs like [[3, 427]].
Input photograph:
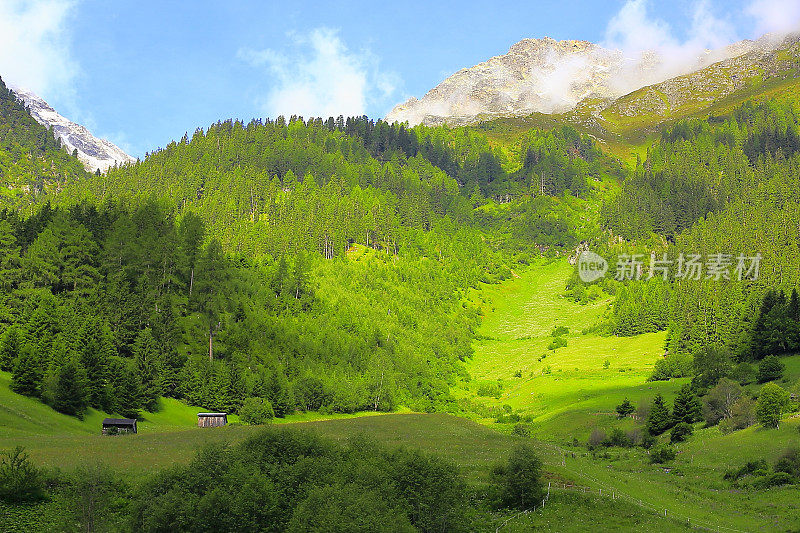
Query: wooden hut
[[211, 420], [115, 426]]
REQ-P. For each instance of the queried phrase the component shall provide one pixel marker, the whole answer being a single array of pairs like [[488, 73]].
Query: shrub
[[744, 373], [770, 369], [648, 440], [773, 479], [672, 366], [558, 331], [20, 480], [556, 343], [773, 401], [742, 415], [521, 430], [597, 437], [618, 438], [789, 462], [750, 468], [256, 411], [662, 454], [490, 388], [634, 437], [719, 401], [519, 480], [680, 432]]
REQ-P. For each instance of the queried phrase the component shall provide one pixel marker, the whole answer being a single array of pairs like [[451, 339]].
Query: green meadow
[[562, 396]]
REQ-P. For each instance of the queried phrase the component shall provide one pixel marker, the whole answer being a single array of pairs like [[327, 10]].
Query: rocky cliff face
[[548, 76], [94, 153]]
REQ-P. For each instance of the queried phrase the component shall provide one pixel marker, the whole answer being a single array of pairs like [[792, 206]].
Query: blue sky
[[142, 73]]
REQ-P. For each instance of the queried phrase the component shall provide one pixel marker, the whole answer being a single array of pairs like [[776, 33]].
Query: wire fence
[[605, 490]]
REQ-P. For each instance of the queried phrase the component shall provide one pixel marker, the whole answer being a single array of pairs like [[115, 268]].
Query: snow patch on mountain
[[94, 153]]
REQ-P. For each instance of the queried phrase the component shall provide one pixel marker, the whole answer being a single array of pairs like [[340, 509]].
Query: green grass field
[[572, 391], [564, 395], [566, 391]]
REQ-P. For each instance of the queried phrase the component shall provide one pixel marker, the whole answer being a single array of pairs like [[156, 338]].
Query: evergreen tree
[[659, 419], [770, 369], [687, 407], [26, 377], [69, 394], [125, 389], [11, 343], [147, 359], [625, 408]]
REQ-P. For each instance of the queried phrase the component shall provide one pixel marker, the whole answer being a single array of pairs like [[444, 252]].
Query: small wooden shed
[[115, 426], [211, 420]]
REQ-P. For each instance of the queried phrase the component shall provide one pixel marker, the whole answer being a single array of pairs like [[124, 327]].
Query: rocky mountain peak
[[549, 76], [93, 152]]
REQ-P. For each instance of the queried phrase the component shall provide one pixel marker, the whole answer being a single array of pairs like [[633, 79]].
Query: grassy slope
[[569, 391], [579, 394]]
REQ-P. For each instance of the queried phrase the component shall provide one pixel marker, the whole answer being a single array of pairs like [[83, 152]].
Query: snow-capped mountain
[[94, 153], [549, 76]]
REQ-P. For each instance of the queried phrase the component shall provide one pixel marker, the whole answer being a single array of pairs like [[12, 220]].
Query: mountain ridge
[[95, 153], [554, 77]]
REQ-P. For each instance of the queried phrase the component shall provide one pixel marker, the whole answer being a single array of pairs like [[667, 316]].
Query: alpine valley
[[392, 314]]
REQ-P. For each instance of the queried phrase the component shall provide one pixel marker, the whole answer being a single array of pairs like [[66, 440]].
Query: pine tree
[[26, 377], [147, 359], [659, 419], [69, 394], [11, 343], [687, 407], [125, 390], [625, 408]]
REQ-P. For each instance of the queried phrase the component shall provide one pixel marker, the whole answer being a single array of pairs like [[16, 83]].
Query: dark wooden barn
[[114, 426], [211, 420]]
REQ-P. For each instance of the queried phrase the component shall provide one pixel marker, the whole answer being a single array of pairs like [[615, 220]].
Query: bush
[[521, 430], [672, 366], [256, 411], [648, 441], [773, 401], [490, 388], [680, 432], [662, 454], [773, 479], [634, 437], [597, 438], [558, 331], [618, 438], [770, 369], [750, 468], [20, 480], [519, 481], [744, 373], [556, 343], [789, 462], [742, 416]]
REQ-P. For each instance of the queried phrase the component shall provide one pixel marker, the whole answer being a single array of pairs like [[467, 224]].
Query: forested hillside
[[31, 157], [719, 186], [313, 265]]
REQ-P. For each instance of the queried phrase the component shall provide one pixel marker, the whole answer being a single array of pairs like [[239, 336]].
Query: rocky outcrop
[[549, 76], [94, 153]]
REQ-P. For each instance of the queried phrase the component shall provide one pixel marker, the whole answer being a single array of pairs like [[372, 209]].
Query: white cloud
[[635, 32], [321, 77], [34, 46], [779, 16]]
